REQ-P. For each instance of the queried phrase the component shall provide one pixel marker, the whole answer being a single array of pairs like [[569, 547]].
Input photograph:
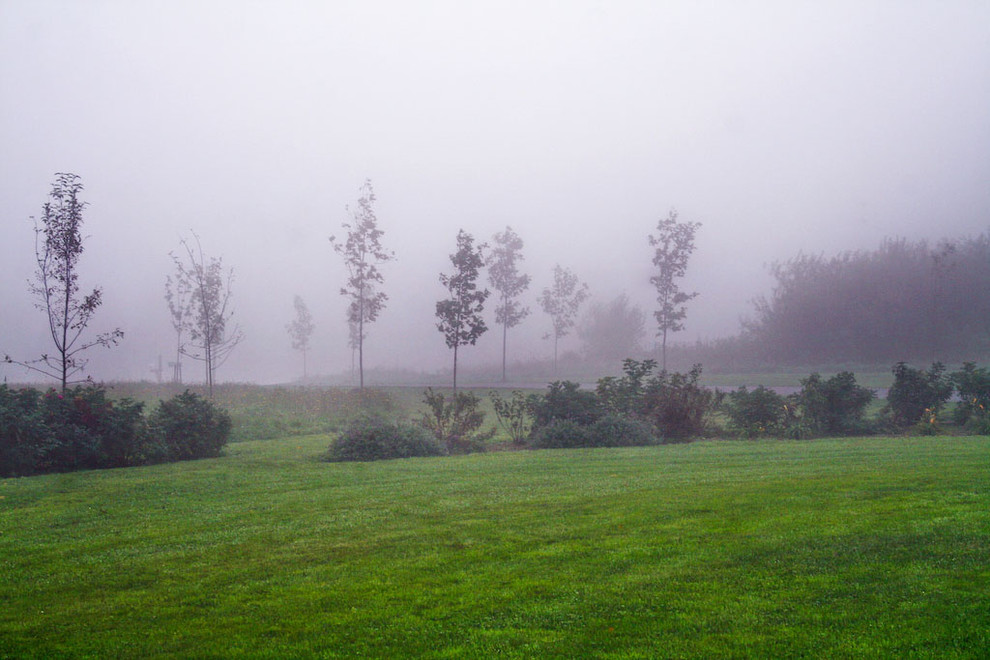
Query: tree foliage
[[508, 283], [202, 291], [58, 247], [902, 301], [562, 302], [459, 316], [672, 245], [363, 253]]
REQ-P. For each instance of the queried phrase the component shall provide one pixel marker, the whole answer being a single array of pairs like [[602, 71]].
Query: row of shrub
[[645, 406], [42, 432], [917, 401]]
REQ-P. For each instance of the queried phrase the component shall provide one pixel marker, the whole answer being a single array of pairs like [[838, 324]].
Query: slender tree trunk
[[555, 353], [63, 349], [504, 333], [455, 368], [361, 340], [304, 364], [177, 369], [663, 351]]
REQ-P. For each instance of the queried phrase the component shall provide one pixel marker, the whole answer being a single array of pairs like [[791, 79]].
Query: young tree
[[178, 308], [562, 303], [58, 246], [362, 252], [504, 276], [205, 295], [459, 317], [673, 245], [300, 329]]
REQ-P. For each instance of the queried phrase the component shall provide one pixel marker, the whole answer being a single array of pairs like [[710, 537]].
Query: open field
[[842, 548]]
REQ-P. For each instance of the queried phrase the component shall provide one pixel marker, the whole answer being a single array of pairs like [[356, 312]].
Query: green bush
[[677, 405], [973, 408], [917, 396], [188, 426], [836, 406], [80, 429], [758, 412], [621, 431], [23, 434], [625, 395], [513, 415], [560, 434], [374, 439], [455, 421], [564, 401]]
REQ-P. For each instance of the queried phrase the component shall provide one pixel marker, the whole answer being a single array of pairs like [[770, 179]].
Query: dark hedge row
[[82, 429]]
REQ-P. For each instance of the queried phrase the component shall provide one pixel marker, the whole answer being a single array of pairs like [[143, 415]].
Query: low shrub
[[973, 408], [677, 405], [621, 431], [76, 430], [373, 439], [456, 421], [608, 431], [560, 434], [188, 426], [757, 412], [565, 401], [513, 415], [836, 406], [917, 395], [624, 395], [23, 433]]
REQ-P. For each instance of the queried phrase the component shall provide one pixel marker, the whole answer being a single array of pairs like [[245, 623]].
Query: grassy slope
[[843, 548]]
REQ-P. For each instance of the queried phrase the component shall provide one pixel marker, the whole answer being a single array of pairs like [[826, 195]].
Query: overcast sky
[[780, 126]]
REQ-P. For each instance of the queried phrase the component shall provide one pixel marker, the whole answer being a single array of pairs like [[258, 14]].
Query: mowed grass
[[876, 547]]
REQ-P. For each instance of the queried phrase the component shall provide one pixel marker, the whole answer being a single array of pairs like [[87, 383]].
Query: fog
[[780, 126]]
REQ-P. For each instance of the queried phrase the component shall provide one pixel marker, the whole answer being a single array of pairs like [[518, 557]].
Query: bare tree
[[459, 317], [207, 313], [673, 245], [562, 302], [301, 329], [362, 252], [504, 276], [58, 246]]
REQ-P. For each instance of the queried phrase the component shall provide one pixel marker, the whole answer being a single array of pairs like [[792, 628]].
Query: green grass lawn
[[850, 548]]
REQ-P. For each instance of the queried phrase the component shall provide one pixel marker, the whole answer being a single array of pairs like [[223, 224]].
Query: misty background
[[780, 126]]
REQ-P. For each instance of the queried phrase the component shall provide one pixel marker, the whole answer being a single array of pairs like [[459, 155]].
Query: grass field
[[873, 547]]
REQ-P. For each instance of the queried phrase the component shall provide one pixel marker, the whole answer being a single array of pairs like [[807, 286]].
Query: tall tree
[[58, 246], [362, 253], [508, 282], [301, 329], [673, 245], [562, 302], [459, 316], [205, 292]]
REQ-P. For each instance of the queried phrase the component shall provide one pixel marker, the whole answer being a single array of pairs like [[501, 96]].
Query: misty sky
[[780, 126]]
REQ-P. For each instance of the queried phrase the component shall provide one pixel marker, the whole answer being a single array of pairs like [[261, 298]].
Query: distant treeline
[[902, 301]]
